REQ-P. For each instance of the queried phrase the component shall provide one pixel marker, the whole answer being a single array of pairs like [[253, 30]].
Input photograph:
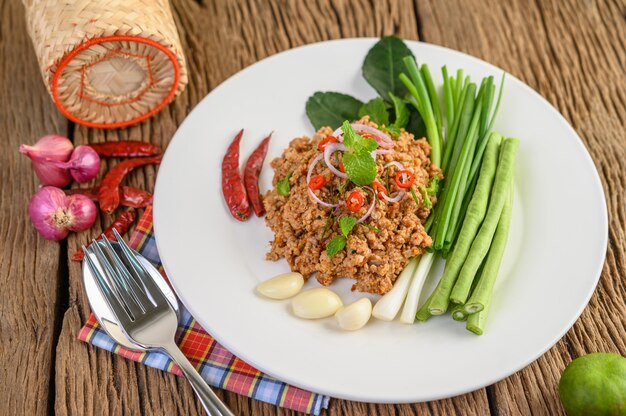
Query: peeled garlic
[[282, 286], [355, 315], [316, 303]]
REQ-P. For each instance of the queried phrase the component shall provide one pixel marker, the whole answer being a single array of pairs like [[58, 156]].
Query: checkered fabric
[[215, 363]]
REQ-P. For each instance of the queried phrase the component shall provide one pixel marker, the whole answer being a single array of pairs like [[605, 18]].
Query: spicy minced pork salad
[[352, 203]]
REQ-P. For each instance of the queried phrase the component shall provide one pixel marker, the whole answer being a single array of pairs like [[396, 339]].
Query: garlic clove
[[282, 286], [316, 303], [355, 315]]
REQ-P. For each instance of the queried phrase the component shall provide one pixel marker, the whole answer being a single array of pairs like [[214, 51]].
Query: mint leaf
[[347, 224], [360, 167], [336, 245], [377, 110], [402, 113], [383, 64], [354, 142], [331, 108], [282, 186]]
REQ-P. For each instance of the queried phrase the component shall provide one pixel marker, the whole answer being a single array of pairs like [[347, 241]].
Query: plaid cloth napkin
[[215, 363]]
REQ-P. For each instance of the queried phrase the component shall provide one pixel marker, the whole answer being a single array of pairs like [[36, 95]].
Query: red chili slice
[[322, 144], [379, 187], [341, 166], [355, 201], [407, 182], [317, 182]]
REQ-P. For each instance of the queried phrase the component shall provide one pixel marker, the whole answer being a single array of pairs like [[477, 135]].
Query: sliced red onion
[[311, 166], [328, 152], [382, 139], [371, 208], [398, 165], [396, 198], [377, 152], [308, 179], [337, 133]]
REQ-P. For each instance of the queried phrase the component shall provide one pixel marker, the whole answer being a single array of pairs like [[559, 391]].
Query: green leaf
[[393, 130], [416, 124], [336, 245], [383, 65], [401, 111], [360, 167], [354, 142], [377, 110], [282, 186], [331, 109], [347, 224]]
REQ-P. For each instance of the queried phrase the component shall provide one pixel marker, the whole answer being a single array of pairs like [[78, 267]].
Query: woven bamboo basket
[[107, 63]]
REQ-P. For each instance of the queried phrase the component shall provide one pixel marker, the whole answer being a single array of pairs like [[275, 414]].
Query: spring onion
[[388, 306], [413, 295]]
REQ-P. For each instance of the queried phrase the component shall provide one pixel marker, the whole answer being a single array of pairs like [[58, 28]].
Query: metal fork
[[143, 311]]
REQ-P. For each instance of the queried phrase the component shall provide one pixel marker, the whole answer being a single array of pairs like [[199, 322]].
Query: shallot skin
[[55, 214]]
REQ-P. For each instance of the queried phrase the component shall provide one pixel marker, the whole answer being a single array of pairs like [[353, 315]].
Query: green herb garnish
[[331, 108], [402, 113], [347, 224], [359, 164], [282, 187], [370, 227], [336, 245]]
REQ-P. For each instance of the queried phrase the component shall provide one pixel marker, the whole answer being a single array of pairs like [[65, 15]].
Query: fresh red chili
[[109, 192], [232, 185], [407, 182], [322, 144], [251, 174], [126, 148], [317, 182], [367, 136], [131, 197], [354, 201], [121, 224], [341, 166], [380, 188]]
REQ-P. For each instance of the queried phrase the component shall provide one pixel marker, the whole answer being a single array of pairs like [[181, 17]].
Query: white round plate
[[551, 266]]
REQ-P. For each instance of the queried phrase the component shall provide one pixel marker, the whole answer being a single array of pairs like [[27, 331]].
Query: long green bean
[[482, 242], [458, 313], [476, 321], [475, 214], [481, 295]]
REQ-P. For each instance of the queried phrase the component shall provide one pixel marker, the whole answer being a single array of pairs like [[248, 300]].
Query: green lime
[[594, 385]]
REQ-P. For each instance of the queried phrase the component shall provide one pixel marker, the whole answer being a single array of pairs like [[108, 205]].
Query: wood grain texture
[[572, 52], [29, 265]]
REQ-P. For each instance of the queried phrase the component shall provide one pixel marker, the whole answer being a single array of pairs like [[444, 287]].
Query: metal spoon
[[101, 309]]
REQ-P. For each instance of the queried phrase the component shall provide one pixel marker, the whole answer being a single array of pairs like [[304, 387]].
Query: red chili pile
[[54, 211], [240, 193]]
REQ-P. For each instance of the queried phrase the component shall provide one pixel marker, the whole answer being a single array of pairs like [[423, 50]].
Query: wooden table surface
[[572, 52]]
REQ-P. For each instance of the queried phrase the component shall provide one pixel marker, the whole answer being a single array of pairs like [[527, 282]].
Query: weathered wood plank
[[574, 54], [29, 265]]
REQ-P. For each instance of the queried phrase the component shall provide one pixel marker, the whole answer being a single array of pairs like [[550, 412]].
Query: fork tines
[[123, 281]]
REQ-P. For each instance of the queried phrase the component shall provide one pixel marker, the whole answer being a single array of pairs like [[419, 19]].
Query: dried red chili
[[121, 224], [232, 185], [109, 193], [328, 139], [251, 174], [407, 181], [317, 182], [355, 201], [130, 196], [126, 148], [380, 188]]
